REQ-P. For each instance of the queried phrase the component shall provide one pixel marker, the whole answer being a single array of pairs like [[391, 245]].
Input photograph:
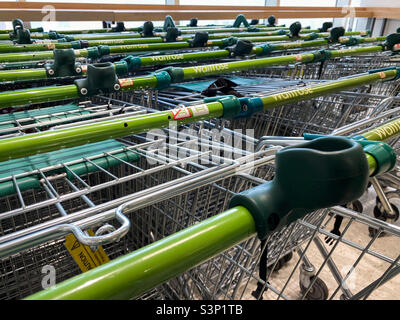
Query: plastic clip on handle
[[313, 175]]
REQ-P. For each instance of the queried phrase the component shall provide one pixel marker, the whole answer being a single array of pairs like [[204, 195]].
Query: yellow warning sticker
[[83, 255]]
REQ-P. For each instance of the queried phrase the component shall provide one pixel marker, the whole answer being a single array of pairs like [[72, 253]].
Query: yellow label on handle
[[84, 257]]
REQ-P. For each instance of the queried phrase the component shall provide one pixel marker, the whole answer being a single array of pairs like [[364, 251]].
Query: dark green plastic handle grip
[[318, 174]]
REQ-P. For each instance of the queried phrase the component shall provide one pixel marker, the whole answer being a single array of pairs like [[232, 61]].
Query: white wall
[[391, 25], [378, 3]]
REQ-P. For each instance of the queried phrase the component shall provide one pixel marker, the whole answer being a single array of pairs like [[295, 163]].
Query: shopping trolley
[[233, 274]]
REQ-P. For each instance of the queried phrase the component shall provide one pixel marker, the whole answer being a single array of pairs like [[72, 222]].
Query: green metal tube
[[212, 69], [107, 36], [361, 50], [182, 57], [66, 138], [5, 37], [135, 273], [67, 45], [19, 57], [34, 47], [301, 44], [387, 131], [35, 95], [149, 47], [113, 42], [279, 99], [32, 56], [22, 75]]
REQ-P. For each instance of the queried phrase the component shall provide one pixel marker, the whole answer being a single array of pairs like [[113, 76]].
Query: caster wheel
[[288, 257], [372, 231], [318, 291], [379, 211], [355, 206], [281, 262], [278, 265]]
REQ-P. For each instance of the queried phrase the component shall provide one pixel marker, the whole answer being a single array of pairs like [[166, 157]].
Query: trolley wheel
[[379, 211], [288, 257], [372, 231], [318, 291], [278, 265], [355, 206], [281, 262]]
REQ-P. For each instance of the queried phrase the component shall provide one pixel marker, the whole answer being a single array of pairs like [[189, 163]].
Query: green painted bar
[[39, 55], [361, 50], [67, 45], [34, 47], [113, 42], [181, 57], [23, 74], [384, 132], [18, 57], [309, 92], [300, 44], [36, 95], [212, 69], [149, 47], [135, 273], [107, 36], [344, 40], [66, 138]]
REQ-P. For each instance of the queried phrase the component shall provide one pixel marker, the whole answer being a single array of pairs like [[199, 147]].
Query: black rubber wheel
[[281, 262], [393, 217], [355, 206], [288, 257], [318, 291], [278, 265], [372, 231], [378, 209]]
